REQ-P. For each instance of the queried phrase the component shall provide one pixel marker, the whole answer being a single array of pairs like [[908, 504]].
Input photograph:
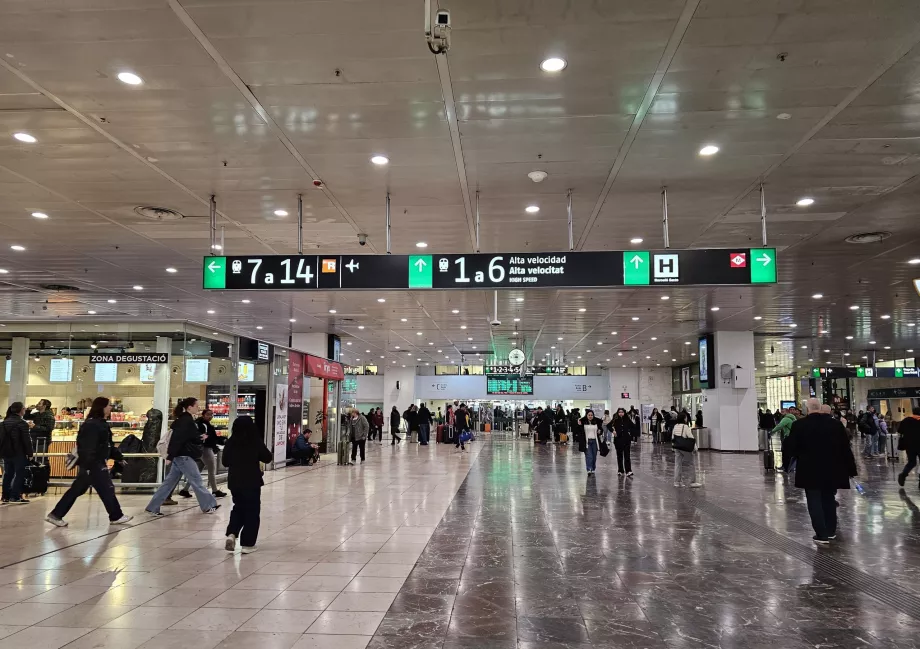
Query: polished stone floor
[[508, 546]]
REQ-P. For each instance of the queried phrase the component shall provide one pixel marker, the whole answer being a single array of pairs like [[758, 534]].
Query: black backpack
[[863, 424]]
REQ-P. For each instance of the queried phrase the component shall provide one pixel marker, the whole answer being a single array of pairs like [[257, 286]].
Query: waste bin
[[702, 437]]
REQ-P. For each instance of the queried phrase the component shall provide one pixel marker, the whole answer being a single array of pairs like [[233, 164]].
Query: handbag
[[681, 443], [603, 448], [466, 436]]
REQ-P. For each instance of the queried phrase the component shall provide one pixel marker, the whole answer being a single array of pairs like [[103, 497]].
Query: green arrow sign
[[215, 272], [635, 268], [815, 372], [899, 372], [420, 268], [763, 265], [860, 372]]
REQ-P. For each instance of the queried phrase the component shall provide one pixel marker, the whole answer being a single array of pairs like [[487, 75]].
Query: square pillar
[[401, 397], [623, 381], [161, 378], [731, 412], [19, 370]]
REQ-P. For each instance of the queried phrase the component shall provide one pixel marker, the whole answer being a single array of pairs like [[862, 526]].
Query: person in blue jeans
[[184, 450], [591, 436], [15, 449]]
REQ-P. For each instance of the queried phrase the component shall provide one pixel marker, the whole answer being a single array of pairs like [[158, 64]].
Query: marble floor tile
[[28, 614], [280, 621], [86, 615], [316, 641], [149, 617], [185, 639], [45, 637], [215, 619], [302, 600], [268, 640], [360, 601], [346, 623]]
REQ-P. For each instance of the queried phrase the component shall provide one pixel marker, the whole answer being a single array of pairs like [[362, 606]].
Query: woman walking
[[684, 445], [394, 426], [622, 439], [93, 449], [242, 454], [591, 437], [184, 449], [655, 419]]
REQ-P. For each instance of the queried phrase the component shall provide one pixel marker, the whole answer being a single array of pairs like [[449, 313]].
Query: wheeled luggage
[[769, 460]]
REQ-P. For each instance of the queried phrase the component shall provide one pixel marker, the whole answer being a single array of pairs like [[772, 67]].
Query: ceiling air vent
[[59, 288], [158, 213], [868, 237]]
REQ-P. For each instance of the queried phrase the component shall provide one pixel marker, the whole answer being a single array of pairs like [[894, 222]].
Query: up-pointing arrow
[[420, 264], [765, 259], [636, 260]]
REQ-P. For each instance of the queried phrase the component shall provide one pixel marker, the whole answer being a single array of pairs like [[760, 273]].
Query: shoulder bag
[[681, 443]]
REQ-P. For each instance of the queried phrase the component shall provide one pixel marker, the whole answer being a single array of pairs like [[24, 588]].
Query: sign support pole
[[664, 216], [568, 196], [495, 306], [388, 223], [212, 214], [477, 220], [299, 224], [222, 240], [763, 216]]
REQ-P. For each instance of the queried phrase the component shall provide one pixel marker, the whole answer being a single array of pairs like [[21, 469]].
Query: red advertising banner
[[295, 398], [324, 369]]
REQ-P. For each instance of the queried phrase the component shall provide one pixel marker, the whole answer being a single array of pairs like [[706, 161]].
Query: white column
[[623, 381], [655, 386], [19, 372], [731, 412], [315, 344], [161, 380], [401, 397]]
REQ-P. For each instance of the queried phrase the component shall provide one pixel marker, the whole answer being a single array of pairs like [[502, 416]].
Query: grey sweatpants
[[682, 460]]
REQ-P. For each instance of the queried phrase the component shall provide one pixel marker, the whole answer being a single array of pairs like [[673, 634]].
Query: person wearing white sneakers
[[243, 452], [92, 451], [684, 444], [591, 437]]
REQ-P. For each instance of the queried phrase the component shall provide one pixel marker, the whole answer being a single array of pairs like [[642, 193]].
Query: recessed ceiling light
[[138, 287], [600, 342], [757, 317], [854, 308], [582, 310], [463, 326], [455, 311], [470, 338], [518, 299], [635, 347], [216, 246], [634, 362], [210, 311], [849, 337], [784, 116], [559, 338], [846, 353], [259, 327], [827, 351], [517, 319], [793, 325], [130, 78], [665, 297], [709, 149], [532, 209], [17, 248], [474, 346], [380, 159], [381, 299], [333, 311], [635, 318], [693, 354], [552, 347], [914, 261], [292, 319], [887, 347], [112, 301], [553, 64], [871, 342], [418, 333], [823, 331], [360, 326], [171, 270], [673, 360], [805, 202], [281, 213], [40, 215], [613, 333], [397, 346], [665, 351], [911, 324], [348, 343], [367, 351], [25, 137], [715, 308], [886, 317], [4, 271], [514, 333], [804, 346], [421, 244], [687, 342], [619, 353], [636, 240], [817, 296]]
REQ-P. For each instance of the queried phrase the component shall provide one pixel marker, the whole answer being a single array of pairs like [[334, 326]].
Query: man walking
[[825, 464], [909, 441], [357, 427]]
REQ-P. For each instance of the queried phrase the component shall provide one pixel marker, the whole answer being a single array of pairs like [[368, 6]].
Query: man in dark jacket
[[209, 448], [909, 441], [411, 417], [42, 425], [424, 425], [825, 464], [15, 449]]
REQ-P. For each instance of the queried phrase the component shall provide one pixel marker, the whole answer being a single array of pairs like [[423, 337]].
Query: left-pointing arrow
[[214, 267]]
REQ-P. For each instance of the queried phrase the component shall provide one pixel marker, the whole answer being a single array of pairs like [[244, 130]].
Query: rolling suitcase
[[439, 434], [769, 460]]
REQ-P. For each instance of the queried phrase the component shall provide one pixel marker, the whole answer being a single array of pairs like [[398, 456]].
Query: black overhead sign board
[[129, 358], [734, 266]]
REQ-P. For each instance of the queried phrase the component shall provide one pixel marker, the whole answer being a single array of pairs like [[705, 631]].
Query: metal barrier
[[64, 481]]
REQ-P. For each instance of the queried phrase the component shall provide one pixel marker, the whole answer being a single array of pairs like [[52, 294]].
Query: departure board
[[509, 384]]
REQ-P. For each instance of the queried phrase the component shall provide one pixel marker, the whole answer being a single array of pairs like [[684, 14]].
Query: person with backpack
[[908, 441], [16, 450], [684, 444], [91, 454], [184, 449], [464, 427], [868, 426], [243, 452]]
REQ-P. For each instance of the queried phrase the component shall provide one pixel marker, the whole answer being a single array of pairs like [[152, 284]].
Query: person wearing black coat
[[394, 426], [243, 453], [543, 424], [622, 440], [183, 451], [424, 425], [94, 443], [825, 464], [412, 421], [909, 441], [15, 449]]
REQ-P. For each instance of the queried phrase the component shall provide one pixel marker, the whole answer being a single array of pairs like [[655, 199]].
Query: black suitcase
[[769, 460], [36, 479]]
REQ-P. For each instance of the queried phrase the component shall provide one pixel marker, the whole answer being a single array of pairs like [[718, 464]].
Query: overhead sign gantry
[[708, 267]]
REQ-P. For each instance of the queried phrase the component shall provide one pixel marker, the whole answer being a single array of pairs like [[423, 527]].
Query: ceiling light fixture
[[665, 297], [25, 137], [281, 213], [715, 308], [210, 311], [757, 317], [130, 78], [532, 209], [40, 215], [886, 317], [360, 326], [805, 202], [553, 64], [817, 296], [463, 326], [421, 244], [582, 310], [111, 301], [381, 299], [518, 299], [292, 319], [613, 333], [333, 311], [636, 240], [171, 270], [17, 248], [259, 327], [138, 287], [709, 149], [849, 337], [914, 261], [793, 325], [245, 301], [635, 318], [380, 159]]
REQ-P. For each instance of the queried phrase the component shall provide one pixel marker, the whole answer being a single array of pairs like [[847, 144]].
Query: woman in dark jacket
[[655, 421], [620, 427], [560, 422], [16, 449], [93, 449], [394, 426], [183, 452], [242, 454], [543, 422]]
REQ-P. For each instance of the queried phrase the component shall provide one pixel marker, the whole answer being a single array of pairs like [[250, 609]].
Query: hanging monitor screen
[[509, 384], [106, 372], [196, 370], [61, 370]]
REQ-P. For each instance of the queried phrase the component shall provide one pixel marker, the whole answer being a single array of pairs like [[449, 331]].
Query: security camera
[[442, 19], [496, 322], [437, 35], [362, 239]]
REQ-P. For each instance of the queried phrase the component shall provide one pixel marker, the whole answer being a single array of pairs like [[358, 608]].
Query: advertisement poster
[[281, 406], [294, 398], [685, 379]]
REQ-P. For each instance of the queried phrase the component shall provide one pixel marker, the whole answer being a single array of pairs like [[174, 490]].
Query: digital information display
[[196, 370], [865, 372], [246, 372], [61, 370], [106, 373], [509, 384], [148, 372], [488, 271]]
